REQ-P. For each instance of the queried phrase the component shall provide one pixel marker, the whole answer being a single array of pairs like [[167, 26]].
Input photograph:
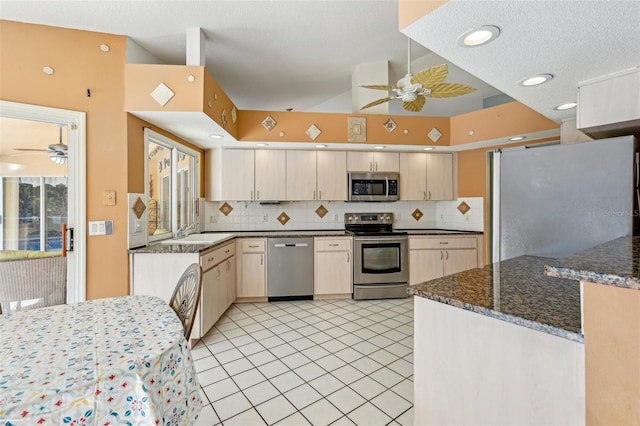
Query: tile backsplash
[[249, 216]]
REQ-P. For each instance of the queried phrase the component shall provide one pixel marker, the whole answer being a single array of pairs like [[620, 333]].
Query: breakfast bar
[[532, 340]]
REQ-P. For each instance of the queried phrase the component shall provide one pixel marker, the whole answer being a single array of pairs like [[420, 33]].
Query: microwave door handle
[[386, 178]]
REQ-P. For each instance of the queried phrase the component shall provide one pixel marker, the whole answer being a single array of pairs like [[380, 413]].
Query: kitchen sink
[[200, 239]]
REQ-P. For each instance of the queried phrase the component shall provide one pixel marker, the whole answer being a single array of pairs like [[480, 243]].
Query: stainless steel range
[[381, 256]]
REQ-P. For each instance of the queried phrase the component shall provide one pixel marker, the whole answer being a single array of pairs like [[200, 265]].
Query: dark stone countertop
[[439, 232], [615, 263], [514, 290]]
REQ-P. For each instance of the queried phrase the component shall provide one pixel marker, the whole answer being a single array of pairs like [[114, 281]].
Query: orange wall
[[500, 121], [612, 354], [410, 11], [334, 128], [79, 65]]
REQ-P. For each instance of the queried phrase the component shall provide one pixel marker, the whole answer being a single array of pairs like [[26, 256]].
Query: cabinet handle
[[314, 194], [258, 194], [218, 273], [348, 257], [370, 166], [447, 258], [440, 254], [319, 195], [227, 251], [261, 258], [444, 242], [429, 192], [376, 166], [252, 194], [256, 246], [424, 195], [334, 245]]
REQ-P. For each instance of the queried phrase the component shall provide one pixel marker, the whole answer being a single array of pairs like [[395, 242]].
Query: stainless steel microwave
[[374, 186]]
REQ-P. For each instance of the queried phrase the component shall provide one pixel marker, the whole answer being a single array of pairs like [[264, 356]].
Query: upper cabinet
[[316, 175], [242, 174], [365, 161], [270, 175], [426, 176]]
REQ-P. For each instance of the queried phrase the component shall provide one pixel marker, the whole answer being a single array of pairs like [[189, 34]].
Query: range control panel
[[368, 218]]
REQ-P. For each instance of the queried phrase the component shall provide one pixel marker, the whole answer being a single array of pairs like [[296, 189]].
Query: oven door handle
[[374, 239]]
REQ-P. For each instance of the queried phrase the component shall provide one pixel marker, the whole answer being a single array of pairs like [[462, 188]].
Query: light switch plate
[[109, 198]]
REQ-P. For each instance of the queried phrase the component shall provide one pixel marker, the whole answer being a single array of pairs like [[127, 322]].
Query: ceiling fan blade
[[379, 87], [378, 102], [449, 90], [430, 76], [31, 149], [416, 105]]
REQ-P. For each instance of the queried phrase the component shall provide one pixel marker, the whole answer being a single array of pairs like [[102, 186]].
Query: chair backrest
[[186, 297]]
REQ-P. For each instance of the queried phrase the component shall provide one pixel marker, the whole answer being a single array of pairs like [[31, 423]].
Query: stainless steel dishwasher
[[290, 268]]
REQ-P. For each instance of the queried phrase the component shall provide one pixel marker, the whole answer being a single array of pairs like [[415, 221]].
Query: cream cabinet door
[[253, 280], [413, 176], [333, 268], [301, 175], [237, 175], [425, 265], [439, 177], [360, 161], [230, 279], [386, 162], [460, 260], [207, 306], [331, 175], [270, 175]]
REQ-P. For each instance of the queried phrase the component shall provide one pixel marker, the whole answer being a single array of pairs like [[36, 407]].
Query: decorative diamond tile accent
[[269, 123], [417, 214], [139, 207], [464, 207], [313, 132], [283, 218], [321, 211], [225, 209], [223, 115], [234, 114], [390, 125], [434, 134], [162, 94]]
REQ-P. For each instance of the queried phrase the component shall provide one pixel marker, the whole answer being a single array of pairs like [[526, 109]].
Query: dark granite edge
[[159, 248], [632, 283], [437, 231], [558, 332]]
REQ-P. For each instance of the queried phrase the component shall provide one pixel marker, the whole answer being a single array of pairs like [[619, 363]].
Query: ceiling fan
[[414, 89], [57, 151]]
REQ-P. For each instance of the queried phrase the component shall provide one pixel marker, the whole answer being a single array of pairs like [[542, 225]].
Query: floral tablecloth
[[113, 361]]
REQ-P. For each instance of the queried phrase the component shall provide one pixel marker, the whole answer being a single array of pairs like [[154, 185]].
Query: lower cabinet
[[157, 274], [333, 267], [434, 257], [252, 268]]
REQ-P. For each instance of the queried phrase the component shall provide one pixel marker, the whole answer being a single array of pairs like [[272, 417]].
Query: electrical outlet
[[265, 218], [335, 217], [398, 216]]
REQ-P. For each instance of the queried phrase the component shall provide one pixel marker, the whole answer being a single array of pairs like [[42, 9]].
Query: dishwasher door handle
[[291, 245]]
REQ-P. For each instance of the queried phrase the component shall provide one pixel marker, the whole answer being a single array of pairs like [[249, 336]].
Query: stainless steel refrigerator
[[556, 200]]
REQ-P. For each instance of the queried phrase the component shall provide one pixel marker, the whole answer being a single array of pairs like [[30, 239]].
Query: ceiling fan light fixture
[[479, 36], [566, 106], [58, 158], [535, 80]]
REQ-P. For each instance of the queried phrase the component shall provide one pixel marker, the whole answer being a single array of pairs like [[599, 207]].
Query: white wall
[[251, 216]]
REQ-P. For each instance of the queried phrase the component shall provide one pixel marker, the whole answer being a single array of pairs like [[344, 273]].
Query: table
[[120, 360]]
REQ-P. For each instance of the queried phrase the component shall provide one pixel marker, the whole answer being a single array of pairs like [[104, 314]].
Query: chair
[[186, 297]]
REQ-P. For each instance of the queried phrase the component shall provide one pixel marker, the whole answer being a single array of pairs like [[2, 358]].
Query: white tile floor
[[339, 362]]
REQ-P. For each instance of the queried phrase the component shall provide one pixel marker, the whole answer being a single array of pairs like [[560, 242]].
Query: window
[[172, 173], [34, 210]]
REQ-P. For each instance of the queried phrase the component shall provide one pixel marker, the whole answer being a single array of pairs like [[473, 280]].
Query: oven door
[[380, 260]]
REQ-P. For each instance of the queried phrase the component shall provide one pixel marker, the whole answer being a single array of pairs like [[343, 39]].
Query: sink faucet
[[181, 232]]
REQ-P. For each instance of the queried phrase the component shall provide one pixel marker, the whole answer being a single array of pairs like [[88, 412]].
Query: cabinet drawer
[[332, 244], [249, 246], [442, 243], [212, 258]]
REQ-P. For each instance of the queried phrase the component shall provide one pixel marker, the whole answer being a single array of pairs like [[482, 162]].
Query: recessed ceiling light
[[379, 147], [216, 136], [262, 144], [568, 105], [535, 80], [517, 138], [428, 148], [478, 36], [321, 146]]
